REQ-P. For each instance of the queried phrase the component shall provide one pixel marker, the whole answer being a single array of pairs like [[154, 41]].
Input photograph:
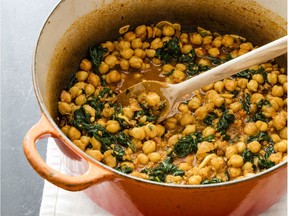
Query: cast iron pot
[[73, 26]]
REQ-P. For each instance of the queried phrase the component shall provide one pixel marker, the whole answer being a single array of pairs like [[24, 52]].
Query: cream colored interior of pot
[[59, 54]]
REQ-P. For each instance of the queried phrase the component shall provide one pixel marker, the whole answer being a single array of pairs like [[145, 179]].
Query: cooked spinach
[[187, 144], [212, 181], [215, 60], [165, 168], [210, 118], [72, 81], [169, 73], [260, 137], [125, 169], [264, 163], [118, 152], [194, 69], [225, 121], [248, 156], [188, 57], [170, 51], [80, 118], [124, 140], [246, 103], [248, 73], [96, 54]]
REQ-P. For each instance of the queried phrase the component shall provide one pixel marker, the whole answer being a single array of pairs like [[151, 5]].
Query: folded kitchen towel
[[59, 202]]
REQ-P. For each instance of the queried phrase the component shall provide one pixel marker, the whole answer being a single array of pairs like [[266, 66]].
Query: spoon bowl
[[173, 94]]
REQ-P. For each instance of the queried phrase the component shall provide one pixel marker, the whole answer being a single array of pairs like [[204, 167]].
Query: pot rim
[[83, 154]]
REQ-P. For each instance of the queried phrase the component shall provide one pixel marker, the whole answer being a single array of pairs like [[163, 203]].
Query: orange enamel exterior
[[120, 194]]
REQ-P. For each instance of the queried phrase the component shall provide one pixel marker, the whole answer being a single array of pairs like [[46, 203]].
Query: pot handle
[[94, 174]]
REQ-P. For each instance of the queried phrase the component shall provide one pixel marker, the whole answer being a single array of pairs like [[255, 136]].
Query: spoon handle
[[254, 57]]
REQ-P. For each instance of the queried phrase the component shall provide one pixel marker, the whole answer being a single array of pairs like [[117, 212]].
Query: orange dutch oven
[[72, 27]]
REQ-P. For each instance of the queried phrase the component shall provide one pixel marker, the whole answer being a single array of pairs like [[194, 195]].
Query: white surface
[[58, 202]]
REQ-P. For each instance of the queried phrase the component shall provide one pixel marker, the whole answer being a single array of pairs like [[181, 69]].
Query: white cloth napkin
[[59, 202]]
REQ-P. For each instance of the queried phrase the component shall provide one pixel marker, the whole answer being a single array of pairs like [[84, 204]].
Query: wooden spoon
[[173, 94]]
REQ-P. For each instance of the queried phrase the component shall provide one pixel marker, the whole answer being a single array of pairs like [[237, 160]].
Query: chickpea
[[218, 101], [156, 44], [227, 41], [86, 65], [65, 129], [183, 108], [217, 42], [113, 77], [230, 150], [167, 68], [75, 91], [186, 48], [140, 30], [95, 143], [283, 133], [124, 64], [81, 76], [207, 87], [275, 137], [153, 99], [126, 53], [242, 83], [268, 111], [89, 110], [187, 119], [185, 166], [96, 154], [207, 40], [64, 108], [276, 158], [65, 97], [262, 126], [272, 78], [195, 180], [204, 147], [204, 62], [208, 131], [80, 100], [218, 163], [195, 39], [136, 43], [74, 133], [180, 67], [178, 76], [281, 146], [219, 86], [135, 62], [236, 106], [154, 157], [277, 103], [241, 146], [150, 130], [93, 79], [149, 146], [189, 129], [108, 111], [168, 31], [138, 133], [282, 78], [258, 78], [279, 121], [254, 146], [129, 36], [113, 126], [79, 144], [250, 129], [160, 130], [109, 160], [173, 139], [242, 52], [201, 113], [214, 52], [142, 159], [248, 167], [277, 91], [236, 161], [256, 98], [150, 53], [252, 85], [234, 172]]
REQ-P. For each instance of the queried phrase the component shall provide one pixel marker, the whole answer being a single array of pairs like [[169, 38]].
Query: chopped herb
[[212, 181]]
